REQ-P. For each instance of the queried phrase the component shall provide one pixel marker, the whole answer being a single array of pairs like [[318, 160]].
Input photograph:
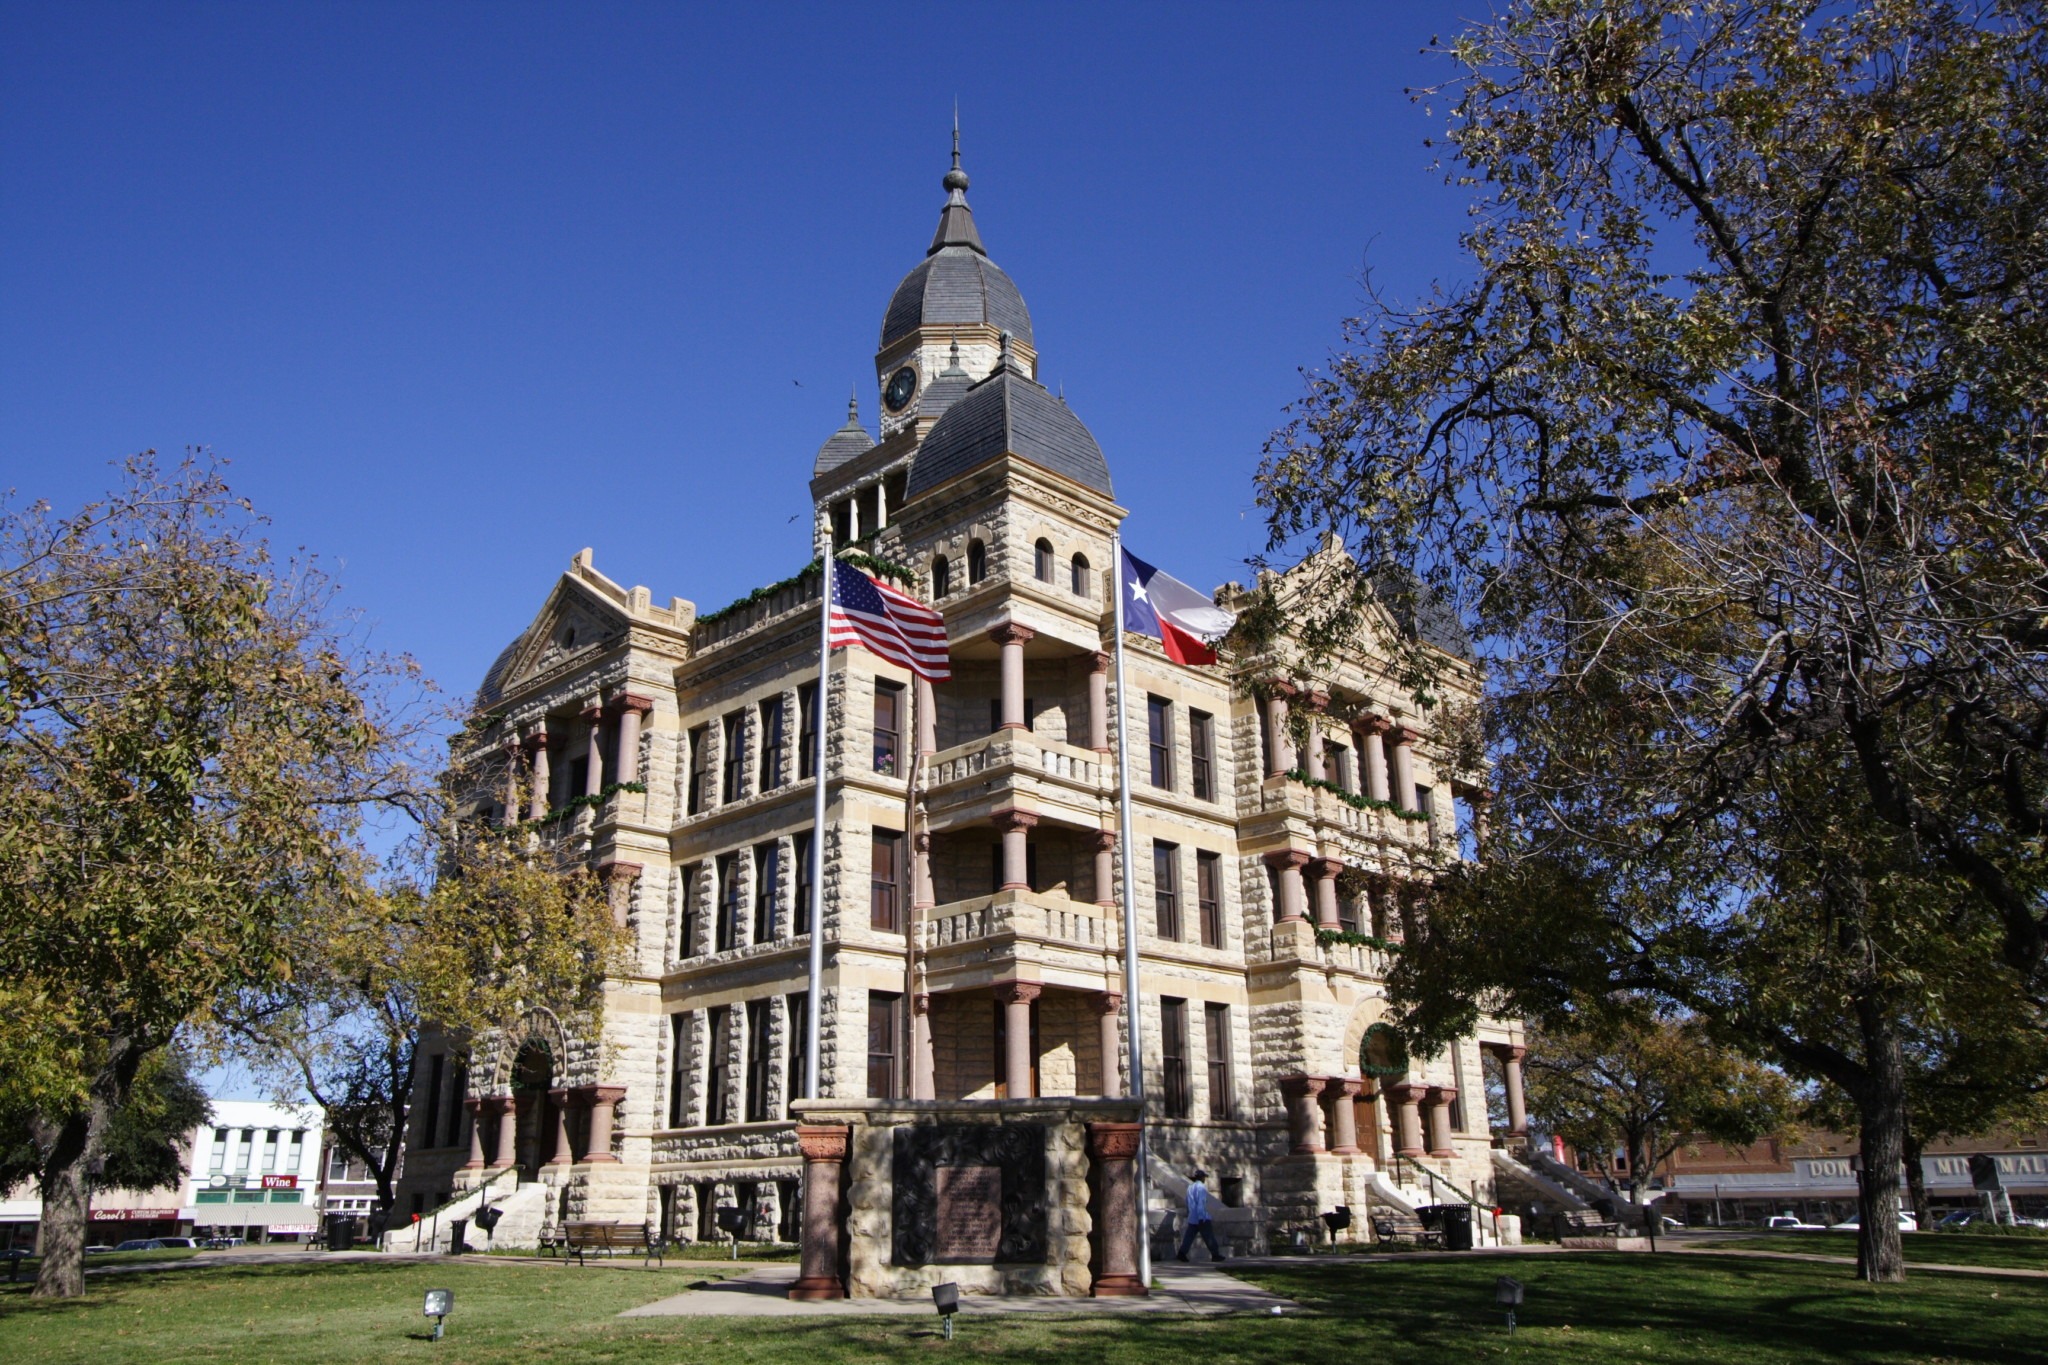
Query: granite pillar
[[824, 1148], [1113, 1149]]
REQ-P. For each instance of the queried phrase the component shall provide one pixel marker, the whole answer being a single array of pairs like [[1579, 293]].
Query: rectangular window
[[700, 769], [220, 1150], [771, 745], [888, 726], [1202, 741], [1347, 908], [1216, 1035], [729, 902], [1166, 888], [806, 730], [678, 1066], [456, 1091], [1159, 730], [758, 1061], [430, 1112], [270, 1150], [715, 1068], [735, 764], [885, 860], [885, 1023], [1209, 897], [1337, 763], [1173, 1054], [686, 931], [796, 1048], [1425, 803], [243, 1150], [337, 1162], [1458, 1086], [800, 907], [767, 871]]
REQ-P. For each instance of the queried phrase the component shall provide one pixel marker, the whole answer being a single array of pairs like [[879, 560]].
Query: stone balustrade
[[1041, 915]]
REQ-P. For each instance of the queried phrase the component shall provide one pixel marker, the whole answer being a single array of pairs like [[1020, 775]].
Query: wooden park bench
[[582, 1239], [1391, 1225], [1586, 1223]]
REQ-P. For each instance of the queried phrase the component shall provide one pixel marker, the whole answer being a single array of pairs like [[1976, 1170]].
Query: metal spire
[[956, 220]]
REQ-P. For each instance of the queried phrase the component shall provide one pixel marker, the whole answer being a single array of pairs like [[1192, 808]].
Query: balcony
[[993, 769], [1045, 917]]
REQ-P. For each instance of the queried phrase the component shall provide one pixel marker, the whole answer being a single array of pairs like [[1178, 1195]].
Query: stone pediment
[[573, 625]]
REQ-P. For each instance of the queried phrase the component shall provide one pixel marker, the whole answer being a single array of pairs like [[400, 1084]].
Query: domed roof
[[1008, 414], [946, 388], [850, 442], [956, 282]]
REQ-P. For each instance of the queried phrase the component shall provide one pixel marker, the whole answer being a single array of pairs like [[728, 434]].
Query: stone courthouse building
[[972, 929]]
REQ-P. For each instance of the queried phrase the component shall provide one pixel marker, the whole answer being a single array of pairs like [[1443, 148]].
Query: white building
[[255, 1172]]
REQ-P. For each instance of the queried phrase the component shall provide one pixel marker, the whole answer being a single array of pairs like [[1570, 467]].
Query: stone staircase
[[435, 1231], [1586, 1193]]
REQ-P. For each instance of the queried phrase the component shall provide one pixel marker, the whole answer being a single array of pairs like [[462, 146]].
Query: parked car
[[1959, 1219], [1792, 1222], [141, 1244], [186, 1242], [1907, 1223], [97, 1250]]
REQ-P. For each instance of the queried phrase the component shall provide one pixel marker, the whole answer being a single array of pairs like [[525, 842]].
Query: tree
[[1645, 1087], [188, 737], [1729, 454], [144, 1148], [476, 926]]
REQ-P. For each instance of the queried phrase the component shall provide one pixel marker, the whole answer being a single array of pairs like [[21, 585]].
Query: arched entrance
[[1382, 1060], [533, 1073]]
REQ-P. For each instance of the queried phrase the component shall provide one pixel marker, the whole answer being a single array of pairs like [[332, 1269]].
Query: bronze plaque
[[970, 1213]]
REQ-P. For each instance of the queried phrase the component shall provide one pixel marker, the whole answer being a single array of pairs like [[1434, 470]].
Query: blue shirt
[[1198, 1202]]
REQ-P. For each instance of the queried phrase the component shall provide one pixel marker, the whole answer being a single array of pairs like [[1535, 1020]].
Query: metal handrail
[[1464, 1196]]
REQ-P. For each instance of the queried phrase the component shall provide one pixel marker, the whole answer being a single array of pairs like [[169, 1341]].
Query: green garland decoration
[[575, 803], [1330, 938], [1352, 798], [880, 568]]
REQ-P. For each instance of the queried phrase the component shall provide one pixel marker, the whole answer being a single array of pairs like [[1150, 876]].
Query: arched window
[[977, 561], [942, 577], [1043, 566], [1080, 568]]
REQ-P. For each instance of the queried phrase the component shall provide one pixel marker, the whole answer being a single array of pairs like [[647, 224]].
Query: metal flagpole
[[1131, 1012], [823, 703]]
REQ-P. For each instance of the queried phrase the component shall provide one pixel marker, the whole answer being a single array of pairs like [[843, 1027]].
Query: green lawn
[[1922, 1248], [1581, 1310]]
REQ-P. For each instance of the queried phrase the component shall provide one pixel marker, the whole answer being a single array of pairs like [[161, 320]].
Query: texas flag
[[1157, 604]]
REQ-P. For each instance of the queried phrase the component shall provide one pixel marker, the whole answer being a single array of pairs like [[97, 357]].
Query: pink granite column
[[1015, 825], [1279, 753], [1344, 1140], [1293, 901], [1304, 1100], [515, 758], [927, 718], [476, 1134], [1511, 1080], [1371, 731], [543, 780], [1402, 740], [1017, 1059], [1406, 1097], [1312, 755], [1113, 1147], [507, 1110], [618, 881], [1108, 1006], [562, 1156], [1012, 638], [593, 775], [824, 1147], [632, 709], [923, 1067], [1325, 871], [604, 1100], [1438, 1100]]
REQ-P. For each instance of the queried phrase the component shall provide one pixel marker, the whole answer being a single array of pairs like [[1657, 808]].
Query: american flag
[[893, 624]]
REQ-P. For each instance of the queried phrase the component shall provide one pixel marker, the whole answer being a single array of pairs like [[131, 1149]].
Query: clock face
[[902, 385]]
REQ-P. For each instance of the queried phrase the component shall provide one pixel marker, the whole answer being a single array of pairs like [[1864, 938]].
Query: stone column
[[1012, 637], [1304, 1099], [631, 708], [618, 880], [1344, 1141], [604, 1104], [1279, 754], [1113, 1147], [1511, 1081], [1293, 902], [562, 1156], [927, 718], [513, 758], [1015, 825], [543, 782], [476, 1134], [1107, 1006], [1098, 702], [1438, 1099], [1312, 758], [824, 1147], [923, 1068], [1402, 739], [507, 1110], [1017, 997], [922, 895], [1406, 1097], [1372, 748], [593, 777], [1325, 871], [1105, 868]]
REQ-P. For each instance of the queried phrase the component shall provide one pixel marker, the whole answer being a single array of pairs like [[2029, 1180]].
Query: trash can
[[341, 1232], [455, 1243], [1457, 1226]]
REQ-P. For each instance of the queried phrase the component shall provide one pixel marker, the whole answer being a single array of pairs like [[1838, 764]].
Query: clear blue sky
[[461, 288]]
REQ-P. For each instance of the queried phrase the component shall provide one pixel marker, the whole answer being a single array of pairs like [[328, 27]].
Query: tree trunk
[[66, 1193], [1916, 1179], [1881, 1102]]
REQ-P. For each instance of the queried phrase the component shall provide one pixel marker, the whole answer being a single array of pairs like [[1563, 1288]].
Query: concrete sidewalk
[[1183, 1290], [1821, 1258]]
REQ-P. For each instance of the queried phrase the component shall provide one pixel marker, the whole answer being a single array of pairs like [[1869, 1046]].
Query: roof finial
[[953, 362], [956, 179], [853, 405]]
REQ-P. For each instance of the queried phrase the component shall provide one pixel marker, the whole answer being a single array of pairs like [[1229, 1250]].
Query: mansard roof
[[1008, 414]]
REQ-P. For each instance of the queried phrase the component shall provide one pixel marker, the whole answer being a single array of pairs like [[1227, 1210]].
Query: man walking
[[1198, 1220]]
